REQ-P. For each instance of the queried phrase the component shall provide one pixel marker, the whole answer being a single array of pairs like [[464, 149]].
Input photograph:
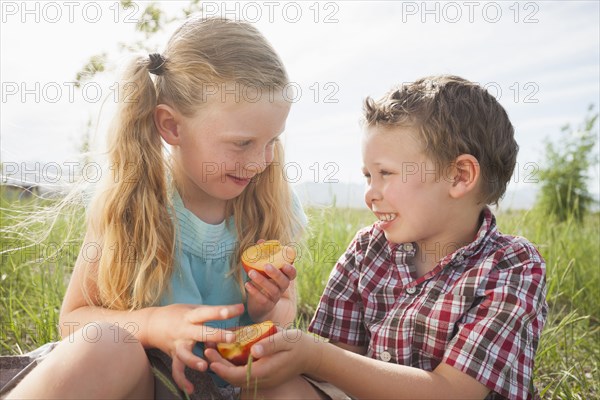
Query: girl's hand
[[176, 328], [264, 293], [277, 359]]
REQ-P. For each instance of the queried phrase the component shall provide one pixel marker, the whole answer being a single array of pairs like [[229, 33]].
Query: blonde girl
[[159, 266]]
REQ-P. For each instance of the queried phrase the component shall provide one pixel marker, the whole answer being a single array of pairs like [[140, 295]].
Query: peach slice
[[270, 252], [238, 352]]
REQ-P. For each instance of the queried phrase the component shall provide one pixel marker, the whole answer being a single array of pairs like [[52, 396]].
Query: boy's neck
[[460, 234]]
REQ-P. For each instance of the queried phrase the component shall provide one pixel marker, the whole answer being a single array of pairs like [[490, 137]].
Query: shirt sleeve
[[340, 313], [497, 339]]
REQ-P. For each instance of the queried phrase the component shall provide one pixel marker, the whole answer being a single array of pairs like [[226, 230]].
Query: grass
[[34, 277], [33, 281]]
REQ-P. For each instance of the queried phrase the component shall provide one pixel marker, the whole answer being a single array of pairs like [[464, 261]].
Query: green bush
[[564, 178]]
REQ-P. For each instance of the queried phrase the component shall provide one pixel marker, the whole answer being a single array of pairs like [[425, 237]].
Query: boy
[[432, 301]]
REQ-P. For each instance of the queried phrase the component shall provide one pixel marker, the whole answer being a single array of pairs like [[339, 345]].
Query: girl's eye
[[383, 172], [243, 143], [367, 175]]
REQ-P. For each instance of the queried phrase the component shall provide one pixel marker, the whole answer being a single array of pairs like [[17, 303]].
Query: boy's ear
[[465, 175], [166, 119]]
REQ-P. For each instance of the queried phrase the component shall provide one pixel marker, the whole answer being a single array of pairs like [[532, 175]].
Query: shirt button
[[460, 258], [411, 290], [385, 356], [408, 247]]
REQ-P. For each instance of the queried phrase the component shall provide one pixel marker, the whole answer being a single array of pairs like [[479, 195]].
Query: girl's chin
[[226, 193]]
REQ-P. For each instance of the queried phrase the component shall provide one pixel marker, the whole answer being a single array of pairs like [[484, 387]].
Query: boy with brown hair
[[431, 301]]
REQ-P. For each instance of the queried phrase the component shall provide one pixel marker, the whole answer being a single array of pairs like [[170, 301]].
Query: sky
[[541, 59]]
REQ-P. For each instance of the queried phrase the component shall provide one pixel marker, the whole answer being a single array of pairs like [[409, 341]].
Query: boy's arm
[[280, 358], [362, 350], [364, 377]]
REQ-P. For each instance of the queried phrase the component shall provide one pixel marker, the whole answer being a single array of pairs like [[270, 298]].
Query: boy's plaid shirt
[[480, 310]]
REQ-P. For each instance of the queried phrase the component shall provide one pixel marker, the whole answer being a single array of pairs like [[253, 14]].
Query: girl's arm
[[355, 374], [284, 312], [273, 298], [174, 329], [76, 311]]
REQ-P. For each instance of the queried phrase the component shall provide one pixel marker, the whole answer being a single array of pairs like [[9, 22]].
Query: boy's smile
[[385, 219]]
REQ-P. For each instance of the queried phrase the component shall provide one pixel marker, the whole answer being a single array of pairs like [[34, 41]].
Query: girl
[[160, 260]]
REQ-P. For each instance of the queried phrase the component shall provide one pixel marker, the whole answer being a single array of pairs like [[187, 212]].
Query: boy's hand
[[276, 359], [176, 328], [265, 293]]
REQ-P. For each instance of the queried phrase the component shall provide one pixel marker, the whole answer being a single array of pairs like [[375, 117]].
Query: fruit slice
[[238, 352], [270, 252]]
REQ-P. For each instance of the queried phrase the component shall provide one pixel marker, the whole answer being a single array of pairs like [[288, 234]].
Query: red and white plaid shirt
[[480, 310]]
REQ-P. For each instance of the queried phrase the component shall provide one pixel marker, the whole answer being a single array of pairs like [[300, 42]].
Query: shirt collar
[[200, 238], [487, 229]]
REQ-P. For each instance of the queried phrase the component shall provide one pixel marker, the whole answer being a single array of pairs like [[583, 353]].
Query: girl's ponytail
[[131, 217]]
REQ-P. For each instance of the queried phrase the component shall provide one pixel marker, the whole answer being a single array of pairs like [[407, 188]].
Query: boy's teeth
[[387, 217]]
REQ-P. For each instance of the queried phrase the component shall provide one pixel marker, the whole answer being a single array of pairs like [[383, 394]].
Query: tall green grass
[[34, 273], [568, 357], [33, 281], [330, 231]]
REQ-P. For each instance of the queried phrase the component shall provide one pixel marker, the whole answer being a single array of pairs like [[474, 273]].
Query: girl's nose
[[269, 154], [261, 161]]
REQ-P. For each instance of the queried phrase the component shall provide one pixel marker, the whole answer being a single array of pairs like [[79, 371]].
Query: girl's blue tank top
[[202, 271]]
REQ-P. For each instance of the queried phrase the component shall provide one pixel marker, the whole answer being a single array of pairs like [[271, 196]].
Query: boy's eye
[[384, 172]]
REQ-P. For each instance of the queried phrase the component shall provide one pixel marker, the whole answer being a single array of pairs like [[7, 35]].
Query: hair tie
[[156, 64]]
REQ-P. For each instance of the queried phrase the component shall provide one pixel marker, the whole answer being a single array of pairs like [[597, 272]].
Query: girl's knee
[[98, 361], [105, 344]]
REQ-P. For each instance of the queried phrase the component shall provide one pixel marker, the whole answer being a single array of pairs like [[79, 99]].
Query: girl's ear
[[166, 120], [466, 175]]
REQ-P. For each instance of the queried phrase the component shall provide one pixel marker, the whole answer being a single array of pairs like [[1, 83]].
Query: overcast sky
[[540, 59]]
